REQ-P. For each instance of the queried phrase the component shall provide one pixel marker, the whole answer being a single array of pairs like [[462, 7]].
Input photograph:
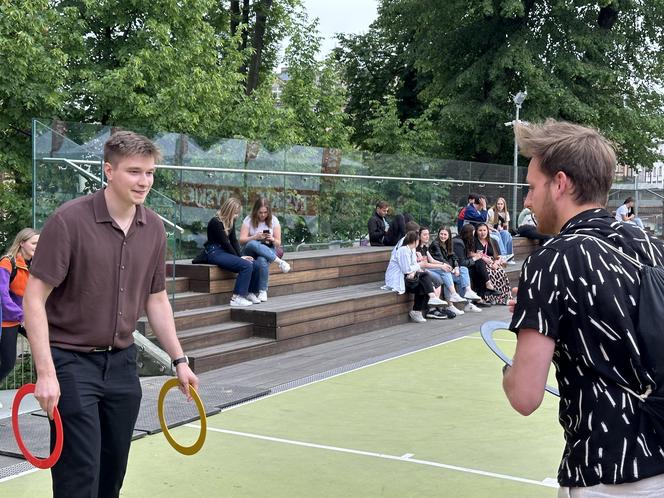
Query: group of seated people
[[469, 262]]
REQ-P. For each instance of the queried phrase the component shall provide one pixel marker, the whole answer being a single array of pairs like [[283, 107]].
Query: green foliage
[[596, 63], [23, 373], [31, 83]]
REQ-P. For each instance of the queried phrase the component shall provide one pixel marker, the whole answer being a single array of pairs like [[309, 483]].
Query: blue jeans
[[504, 240], [263, 256], [247, 272], [449, 279]]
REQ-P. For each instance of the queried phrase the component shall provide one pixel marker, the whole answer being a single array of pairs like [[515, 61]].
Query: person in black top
[[222, 249], [577, 305], [382, 233]]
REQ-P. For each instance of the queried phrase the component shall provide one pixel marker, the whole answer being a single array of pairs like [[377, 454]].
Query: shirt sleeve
[[539, 303], [53, 254], [159, 276]]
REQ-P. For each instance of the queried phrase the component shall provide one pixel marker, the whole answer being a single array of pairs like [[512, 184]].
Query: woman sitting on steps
[[261, 235]]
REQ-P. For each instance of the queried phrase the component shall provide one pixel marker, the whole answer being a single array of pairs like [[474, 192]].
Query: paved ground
[[300, 365]]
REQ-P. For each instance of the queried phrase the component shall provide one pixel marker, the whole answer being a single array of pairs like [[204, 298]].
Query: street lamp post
[[518, 102]]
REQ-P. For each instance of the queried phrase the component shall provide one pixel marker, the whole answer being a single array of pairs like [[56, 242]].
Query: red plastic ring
[[40, 463]]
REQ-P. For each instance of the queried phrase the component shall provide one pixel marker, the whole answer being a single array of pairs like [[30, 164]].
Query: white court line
[[495, 339], [244, 403], [405, 458]]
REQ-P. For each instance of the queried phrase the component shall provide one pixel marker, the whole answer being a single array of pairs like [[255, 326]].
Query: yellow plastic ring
[[185, 450]]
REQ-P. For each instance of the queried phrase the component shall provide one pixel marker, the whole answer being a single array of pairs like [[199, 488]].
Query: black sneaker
[[450, 314], [436, 314]]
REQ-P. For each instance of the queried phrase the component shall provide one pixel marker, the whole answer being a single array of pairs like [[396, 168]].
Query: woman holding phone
[[260, 235]]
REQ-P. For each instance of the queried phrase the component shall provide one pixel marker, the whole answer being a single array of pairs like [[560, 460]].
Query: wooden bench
[[327, 295]]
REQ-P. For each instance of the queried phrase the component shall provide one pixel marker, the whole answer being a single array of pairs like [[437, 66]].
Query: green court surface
[[431, 423]]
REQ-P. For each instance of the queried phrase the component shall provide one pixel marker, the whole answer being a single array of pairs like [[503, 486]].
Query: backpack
[[12, 275], [649, 331]]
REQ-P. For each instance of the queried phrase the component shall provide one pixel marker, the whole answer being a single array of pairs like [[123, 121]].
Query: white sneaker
[[416, 316], [511, 262], [471, 295], [434, 301], [455, 310], [254, 298], [284, 267], [472, 307], [240, 301], [262, 295], [456, 298]]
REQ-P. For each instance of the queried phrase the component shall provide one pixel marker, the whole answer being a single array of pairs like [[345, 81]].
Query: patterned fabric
[[585, 297], [501, 283]]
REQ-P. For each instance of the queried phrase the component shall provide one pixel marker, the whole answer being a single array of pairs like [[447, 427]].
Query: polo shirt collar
[[101, 210], [587, 219]]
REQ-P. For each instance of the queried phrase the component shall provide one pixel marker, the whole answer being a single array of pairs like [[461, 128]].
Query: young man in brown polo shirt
[[100, 267]]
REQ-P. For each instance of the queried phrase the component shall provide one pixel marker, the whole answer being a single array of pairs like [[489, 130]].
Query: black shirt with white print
[[585, 297]]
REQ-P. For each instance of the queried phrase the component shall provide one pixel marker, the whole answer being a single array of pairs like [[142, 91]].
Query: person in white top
[[626, 213], [260, 235], [404, 274]]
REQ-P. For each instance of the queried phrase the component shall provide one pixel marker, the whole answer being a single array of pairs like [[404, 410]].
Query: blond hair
[[228, 211], [584, 155], [22, 236], [123, 144], [494, 219]]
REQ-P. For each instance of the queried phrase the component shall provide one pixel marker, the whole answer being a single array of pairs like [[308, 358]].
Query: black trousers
[[99, 403], [8, 349], [420, 288]]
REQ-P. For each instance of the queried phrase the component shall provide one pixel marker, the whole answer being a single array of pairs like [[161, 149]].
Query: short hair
[[423, 228], [582, 153], [412, 226], [382, 204], [628, 200], [472, 197], [411, 236], [123, 144]]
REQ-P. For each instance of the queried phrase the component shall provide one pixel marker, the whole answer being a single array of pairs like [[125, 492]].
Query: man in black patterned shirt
[[577, 306]]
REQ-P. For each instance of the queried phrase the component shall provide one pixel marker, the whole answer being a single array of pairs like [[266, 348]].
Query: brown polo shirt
[[101, 278]]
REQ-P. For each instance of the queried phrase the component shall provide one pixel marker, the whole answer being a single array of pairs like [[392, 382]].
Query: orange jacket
[[11, 294]]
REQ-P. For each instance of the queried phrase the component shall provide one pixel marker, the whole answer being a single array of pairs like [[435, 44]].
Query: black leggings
[[421, 288], [8, 349], [479, 276]]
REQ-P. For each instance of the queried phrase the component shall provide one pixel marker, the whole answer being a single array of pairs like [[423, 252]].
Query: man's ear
[[563, 184]]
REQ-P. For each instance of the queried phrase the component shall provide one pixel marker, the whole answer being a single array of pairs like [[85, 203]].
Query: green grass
[[442, 405]]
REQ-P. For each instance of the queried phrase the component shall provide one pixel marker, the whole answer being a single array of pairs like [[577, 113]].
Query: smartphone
[[266, 231]]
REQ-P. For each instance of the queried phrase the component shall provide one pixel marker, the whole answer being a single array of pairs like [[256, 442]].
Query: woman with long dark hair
[[452, 273], [261, 235], [484, 246]]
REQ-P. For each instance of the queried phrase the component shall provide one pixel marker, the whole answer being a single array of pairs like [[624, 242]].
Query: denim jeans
[[449, 279], [263, 256], [504, 240], [247, 271]]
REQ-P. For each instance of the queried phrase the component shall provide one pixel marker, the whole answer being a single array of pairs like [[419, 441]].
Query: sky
[[340, 16]]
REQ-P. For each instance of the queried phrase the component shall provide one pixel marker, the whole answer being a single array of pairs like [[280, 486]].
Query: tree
[[596, 63], [32, 83]]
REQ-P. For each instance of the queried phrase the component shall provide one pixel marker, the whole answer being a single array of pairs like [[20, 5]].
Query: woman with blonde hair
[[498, 222], [222, 249], [14, 268], [261, 235]]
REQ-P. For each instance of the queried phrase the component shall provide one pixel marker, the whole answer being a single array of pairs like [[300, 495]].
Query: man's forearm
[[160, 316], [36, 326]]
